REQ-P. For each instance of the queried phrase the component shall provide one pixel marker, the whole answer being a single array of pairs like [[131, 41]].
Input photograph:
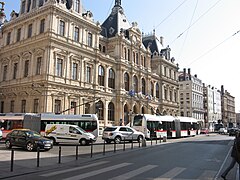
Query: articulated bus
[[38, 122], [154, 126]]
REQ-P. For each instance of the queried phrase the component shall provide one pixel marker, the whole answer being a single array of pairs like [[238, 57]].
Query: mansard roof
[[116, 21], [152, 42]]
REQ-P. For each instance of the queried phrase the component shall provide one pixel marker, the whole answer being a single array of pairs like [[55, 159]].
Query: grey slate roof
[[116, 21], [153, 43]]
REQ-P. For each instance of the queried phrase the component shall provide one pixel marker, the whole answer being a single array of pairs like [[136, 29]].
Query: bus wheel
[[83, 142], [8, 144], [140, 139], [117, 139]]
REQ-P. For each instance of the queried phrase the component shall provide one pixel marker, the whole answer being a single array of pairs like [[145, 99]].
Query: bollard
[[91, 150], [76, 152], [160, 138], [151, 141], [164, 139], [124, 144], [38, 156], [144, 143], [156, 140], [59, 154], [132, 143], [114, 147], [104, 147], [12, 158]]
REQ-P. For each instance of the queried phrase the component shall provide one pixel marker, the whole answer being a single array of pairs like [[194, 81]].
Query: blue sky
[[202, 34]]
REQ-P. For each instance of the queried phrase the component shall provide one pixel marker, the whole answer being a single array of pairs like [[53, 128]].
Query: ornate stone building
[[55, 58]]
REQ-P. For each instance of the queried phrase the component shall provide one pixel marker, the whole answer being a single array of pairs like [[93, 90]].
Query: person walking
[[235, 154]]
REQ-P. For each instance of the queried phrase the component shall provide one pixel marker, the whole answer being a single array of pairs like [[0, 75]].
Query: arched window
[[143, 86], [135, 84], [111, 78], [126, 81], [152, 89], [100, 75], [111, 111], [157, 90], [99, 110], [87, 108]]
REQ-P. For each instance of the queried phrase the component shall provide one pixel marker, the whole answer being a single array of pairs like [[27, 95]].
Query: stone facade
[[55, 58]]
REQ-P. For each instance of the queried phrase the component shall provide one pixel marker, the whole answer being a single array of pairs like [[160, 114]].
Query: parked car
[[28, 139], [204, 131], [0, 134], [232, 131], [120, 133], [222, 131]]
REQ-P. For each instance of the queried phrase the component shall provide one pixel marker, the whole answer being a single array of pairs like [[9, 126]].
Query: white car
[[121, 133], [222, 131]]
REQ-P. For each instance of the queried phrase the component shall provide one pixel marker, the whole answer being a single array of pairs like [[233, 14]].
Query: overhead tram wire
[[170, 14], [195, 21], [214, 48], [188, 30]]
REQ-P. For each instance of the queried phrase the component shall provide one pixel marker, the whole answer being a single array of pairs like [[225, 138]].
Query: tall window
[[77, 6], [57, 106], [34, 3], [111, 111], [23, 107], [152, 89], [87, 108], [39, 64], [62, 28], [143, 86], [99, 110], [29, 30], [74, 71], [8, 38], [26, 68], [23, 7], [42, 26], [165, 94], [100, 75], [35, 105], [40, 3], [5, 73], [90, 39], [111, 78], [15, 69], [59, 67], [2, 106], [126, 81], [12, 106], [76, 34], [74, 107], [88, 77], [157, 90], [28, 5], [135, 84], [18, 34]]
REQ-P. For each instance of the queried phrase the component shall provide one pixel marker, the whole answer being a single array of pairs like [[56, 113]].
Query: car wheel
[[8, 144], [140, 139], [117, 139], [30, 146], [83, 142]]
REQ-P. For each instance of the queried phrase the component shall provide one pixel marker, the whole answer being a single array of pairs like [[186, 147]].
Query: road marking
[[96, 172], [134, 173], [171, 174], [73, 169]]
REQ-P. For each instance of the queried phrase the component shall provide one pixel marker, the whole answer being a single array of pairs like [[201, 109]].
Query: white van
[[67, 133]]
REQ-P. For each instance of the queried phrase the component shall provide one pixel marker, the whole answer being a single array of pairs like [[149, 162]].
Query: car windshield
[[81, 130], [33, 134]]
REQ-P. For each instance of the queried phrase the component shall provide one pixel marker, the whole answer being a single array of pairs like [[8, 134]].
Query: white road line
[[171, 174], [96, 172], [134, 173], [73, 169]]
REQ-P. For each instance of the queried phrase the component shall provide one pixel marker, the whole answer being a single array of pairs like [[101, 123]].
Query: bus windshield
[[137, 121]]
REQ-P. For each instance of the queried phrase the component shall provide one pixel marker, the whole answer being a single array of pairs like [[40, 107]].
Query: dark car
[[232, 131], [27, 139]]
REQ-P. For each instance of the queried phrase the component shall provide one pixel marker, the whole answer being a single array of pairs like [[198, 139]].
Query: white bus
[[154, 126], [38, 122]]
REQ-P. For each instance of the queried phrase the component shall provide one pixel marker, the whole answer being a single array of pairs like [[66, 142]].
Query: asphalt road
[[198, 158]]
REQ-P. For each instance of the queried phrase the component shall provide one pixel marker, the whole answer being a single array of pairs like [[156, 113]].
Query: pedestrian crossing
[[121, 171]]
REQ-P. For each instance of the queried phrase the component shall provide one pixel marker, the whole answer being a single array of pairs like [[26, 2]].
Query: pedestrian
[[235, 154]]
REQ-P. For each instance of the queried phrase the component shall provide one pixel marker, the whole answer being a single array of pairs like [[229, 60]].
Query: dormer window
[[111, 30]]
